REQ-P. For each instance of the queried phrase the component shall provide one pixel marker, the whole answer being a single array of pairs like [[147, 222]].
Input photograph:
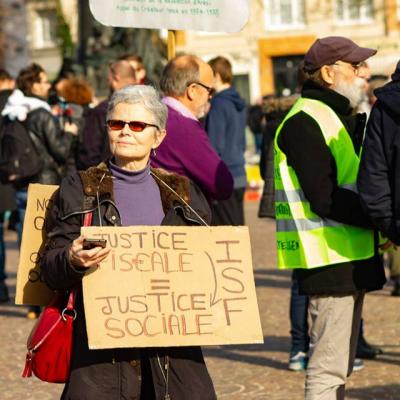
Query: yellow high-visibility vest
[[304, 239]]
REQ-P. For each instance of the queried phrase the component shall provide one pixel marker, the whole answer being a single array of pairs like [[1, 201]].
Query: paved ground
[[239, 372]]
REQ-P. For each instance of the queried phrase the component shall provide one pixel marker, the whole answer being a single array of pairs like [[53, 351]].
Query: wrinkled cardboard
[[172, 286], [31, 290]]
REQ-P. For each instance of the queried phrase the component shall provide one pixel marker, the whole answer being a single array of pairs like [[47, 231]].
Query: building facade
[[43, 36], [266, 54]]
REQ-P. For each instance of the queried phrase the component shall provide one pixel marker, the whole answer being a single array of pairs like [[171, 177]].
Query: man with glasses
[[187, 84], [322, 231]]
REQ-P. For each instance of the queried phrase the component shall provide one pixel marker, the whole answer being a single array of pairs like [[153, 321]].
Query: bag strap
[[88, 218], [87, 221]]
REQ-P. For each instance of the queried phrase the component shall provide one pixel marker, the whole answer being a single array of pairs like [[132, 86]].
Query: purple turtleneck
[[137, 196]]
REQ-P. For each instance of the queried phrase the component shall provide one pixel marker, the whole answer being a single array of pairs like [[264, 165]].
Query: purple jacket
[[186, 150]]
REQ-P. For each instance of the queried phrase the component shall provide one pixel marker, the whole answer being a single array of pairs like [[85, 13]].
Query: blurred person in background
[[365, 350], [137, 64], [225, 125], [187, 84], [256, 123], [29, 105], [7, 197], [391, 257], [75, 98], [375, 82], [364, 72], [379, 176], [93, 144], [274, 110]]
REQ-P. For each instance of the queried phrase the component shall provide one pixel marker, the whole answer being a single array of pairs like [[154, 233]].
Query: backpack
[[19, 158]]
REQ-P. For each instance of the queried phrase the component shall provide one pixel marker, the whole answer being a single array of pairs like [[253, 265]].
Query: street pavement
[[249, 372]]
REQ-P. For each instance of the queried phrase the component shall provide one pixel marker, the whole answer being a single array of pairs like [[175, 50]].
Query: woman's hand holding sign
[[87, 253]]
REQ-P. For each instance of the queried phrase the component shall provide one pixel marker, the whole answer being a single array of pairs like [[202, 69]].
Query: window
[[354, 11], [283, 14], [45, 28]]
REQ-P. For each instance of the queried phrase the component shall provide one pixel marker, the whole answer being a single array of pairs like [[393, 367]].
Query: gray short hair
[[145, 95], [316, 77], [178, 74]]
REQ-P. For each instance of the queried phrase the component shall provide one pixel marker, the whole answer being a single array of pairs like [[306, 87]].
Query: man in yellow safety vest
[[321, 229]]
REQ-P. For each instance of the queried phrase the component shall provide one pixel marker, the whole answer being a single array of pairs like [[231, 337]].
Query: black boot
[[4, 297], [365, 350], [396, 289]]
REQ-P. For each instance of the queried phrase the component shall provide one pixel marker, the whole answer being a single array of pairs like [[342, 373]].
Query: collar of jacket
[[334, 100], [354, 123], [99, 180]]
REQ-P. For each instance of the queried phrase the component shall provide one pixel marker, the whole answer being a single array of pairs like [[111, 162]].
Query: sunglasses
[[134, 126], [209, 89]]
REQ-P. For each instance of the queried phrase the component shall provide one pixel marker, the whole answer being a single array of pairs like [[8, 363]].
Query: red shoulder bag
[[50, 342]]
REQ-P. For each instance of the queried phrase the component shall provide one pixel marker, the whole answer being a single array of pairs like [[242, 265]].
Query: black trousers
[[230, 211]]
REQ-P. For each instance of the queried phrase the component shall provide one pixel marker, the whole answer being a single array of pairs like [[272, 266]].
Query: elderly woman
[[136, 126]]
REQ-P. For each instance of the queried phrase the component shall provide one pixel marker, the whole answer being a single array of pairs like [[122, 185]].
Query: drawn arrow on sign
[[213, 296]]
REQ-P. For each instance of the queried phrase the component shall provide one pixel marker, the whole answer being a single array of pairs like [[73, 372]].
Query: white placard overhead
[[199, 15]]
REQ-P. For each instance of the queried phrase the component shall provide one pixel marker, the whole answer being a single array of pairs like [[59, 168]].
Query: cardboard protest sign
[[172, 286], [201, 15], [31, 290]]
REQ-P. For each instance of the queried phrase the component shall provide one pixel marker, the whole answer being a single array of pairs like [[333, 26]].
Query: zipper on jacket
[[165, 375], [91, 210]]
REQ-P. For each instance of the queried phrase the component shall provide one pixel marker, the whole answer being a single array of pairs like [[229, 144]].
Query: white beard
[[353, 92]]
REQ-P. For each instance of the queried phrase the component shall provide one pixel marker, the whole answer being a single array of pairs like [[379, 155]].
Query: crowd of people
[[331, 183]]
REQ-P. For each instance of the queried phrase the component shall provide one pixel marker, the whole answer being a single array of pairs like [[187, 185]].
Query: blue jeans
[[258, 142], [22, 195], [298, 318]]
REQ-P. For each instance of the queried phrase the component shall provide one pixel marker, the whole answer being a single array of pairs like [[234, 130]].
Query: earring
[[154, 152]]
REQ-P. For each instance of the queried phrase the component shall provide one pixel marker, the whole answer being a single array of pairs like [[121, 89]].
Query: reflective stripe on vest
[[304, 239]]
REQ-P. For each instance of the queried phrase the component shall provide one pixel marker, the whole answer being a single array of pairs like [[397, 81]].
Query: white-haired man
[[322, 231]]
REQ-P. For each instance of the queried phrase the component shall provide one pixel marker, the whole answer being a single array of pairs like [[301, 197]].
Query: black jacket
[[114, 374], [379, 175], [275, 109], [7, 198], [93, 143], [307, 152], [52, 143]]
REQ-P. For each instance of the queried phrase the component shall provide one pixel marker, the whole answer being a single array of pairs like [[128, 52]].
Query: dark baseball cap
[[328, 50]]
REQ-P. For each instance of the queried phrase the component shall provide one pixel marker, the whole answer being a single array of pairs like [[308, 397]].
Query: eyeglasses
[[354, 66], [209, 89], [134, 126]]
